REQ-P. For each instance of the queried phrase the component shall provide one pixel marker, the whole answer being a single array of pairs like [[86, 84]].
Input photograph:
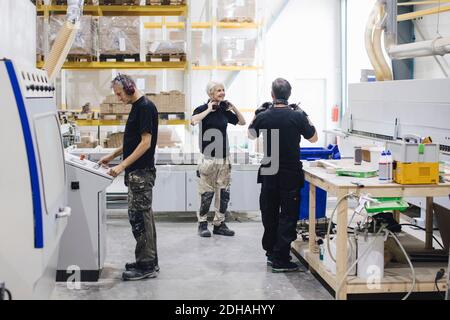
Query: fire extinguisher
[[335, 113]]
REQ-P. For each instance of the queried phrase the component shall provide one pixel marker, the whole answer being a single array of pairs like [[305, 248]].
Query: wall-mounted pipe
[[368, 37], [438, 46], [385, 69]]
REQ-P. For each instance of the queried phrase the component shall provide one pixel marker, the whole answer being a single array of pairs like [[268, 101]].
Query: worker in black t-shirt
[[281, 173], [214, 167], [139, 143]]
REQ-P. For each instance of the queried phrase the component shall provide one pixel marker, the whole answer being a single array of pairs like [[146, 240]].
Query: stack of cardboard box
[[40, 38], [236, 10], [119, 35], [114, 140], [111, 105], [87, 141], [237, 51], [168, 102], [85, 42]]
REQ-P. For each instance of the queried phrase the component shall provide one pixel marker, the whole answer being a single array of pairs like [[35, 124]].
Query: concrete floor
[[219, 267]]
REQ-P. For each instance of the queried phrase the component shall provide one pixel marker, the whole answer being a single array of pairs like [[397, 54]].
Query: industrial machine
[[33, 211], [83, 244], [383, 113], [33, 214]]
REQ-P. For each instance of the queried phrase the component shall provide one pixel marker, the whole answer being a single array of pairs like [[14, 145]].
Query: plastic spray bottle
[[383, 171], [390, 163]]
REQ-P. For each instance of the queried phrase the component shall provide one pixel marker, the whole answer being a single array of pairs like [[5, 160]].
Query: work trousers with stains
[[140, 184], [215, 180]]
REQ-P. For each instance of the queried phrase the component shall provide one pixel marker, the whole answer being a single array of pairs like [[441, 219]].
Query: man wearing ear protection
[[281, 173], [139, 143]]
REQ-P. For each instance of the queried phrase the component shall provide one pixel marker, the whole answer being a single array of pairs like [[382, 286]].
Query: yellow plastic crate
[[417, 173]]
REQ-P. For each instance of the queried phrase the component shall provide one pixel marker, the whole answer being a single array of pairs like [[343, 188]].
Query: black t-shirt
[[291, 125], [212, 126], [143, 118]]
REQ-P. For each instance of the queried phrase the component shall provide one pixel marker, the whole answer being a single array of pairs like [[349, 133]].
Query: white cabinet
[[244, 191], [192, 196], [169, 193]]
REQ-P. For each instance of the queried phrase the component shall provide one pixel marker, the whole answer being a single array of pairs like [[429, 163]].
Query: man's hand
[[211, 105], [115, 171], [106, 159], [265, 106]]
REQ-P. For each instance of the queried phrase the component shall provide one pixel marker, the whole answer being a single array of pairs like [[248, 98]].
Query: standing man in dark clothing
[[139, 143], [281, 173]]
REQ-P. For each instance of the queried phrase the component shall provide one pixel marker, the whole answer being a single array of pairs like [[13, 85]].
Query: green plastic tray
[[356, 174], [387, 204]]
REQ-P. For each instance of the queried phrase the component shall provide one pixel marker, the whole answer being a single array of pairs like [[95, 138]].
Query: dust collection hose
[[64, 39]]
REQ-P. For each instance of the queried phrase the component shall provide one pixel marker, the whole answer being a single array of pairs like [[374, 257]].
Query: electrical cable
[[331, 221], [438, 19], [409, 262], [413, 225], [439, 275]]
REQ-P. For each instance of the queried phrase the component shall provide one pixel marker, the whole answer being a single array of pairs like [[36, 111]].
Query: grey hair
[[281, 89], [123, 81], [211, 86]]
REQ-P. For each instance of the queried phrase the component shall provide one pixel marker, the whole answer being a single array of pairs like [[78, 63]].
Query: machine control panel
[[81, 162], [35, 84]]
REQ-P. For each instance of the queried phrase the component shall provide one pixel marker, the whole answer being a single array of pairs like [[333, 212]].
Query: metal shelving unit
[[172, 65], [142, 11]]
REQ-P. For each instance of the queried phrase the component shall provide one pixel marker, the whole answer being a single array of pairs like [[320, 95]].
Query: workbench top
[[333, 182]]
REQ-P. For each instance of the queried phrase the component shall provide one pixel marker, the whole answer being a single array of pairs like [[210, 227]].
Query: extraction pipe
[[385, 69], [377, 25], [437, 46], [368, 36], [64, 39]]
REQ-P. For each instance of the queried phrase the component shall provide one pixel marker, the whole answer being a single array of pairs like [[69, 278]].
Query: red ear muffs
[[128, 87]]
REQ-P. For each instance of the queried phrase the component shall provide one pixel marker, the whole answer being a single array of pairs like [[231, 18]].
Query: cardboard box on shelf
[[85, 39], [119, 35], [168, 102], [236, 10], [114, 140], [237, 51]]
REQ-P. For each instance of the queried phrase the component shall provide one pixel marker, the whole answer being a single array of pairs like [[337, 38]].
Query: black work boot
[[223, 230], [284, 267], [140, 272], [129, 266], [203, 229]]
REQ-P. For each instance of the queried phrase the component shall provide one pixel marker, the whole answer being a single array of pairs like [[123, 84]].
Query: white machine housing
[[83, 244], [378, 111], [32, 184]]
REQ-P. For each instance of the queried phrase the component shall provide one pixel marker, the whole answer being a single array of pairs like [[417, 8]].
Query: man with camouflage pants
[[139, 143], [214, 168]]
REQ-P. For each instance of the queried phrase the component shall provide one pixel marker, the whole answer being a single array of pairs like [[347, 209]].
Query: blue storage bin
[[310, 154]]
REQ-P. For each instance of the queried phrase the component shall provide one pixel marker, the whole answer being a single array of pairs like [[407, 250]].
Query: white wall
[[357, 59], [303, 46], [16, 18]]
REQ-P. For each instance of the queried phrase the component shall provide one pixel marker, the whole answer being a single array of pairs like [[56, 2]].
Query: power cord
[[413, 225], [8, 293], [439, 275]]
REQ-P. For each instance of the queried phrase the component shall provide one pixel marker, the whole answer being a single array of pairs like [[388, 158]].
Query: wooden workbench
[[395, 279]]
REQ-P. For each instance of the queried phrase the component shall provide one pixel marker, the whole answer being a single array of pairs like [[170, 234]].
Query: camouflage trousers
[[214, 180], [140, 184]]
